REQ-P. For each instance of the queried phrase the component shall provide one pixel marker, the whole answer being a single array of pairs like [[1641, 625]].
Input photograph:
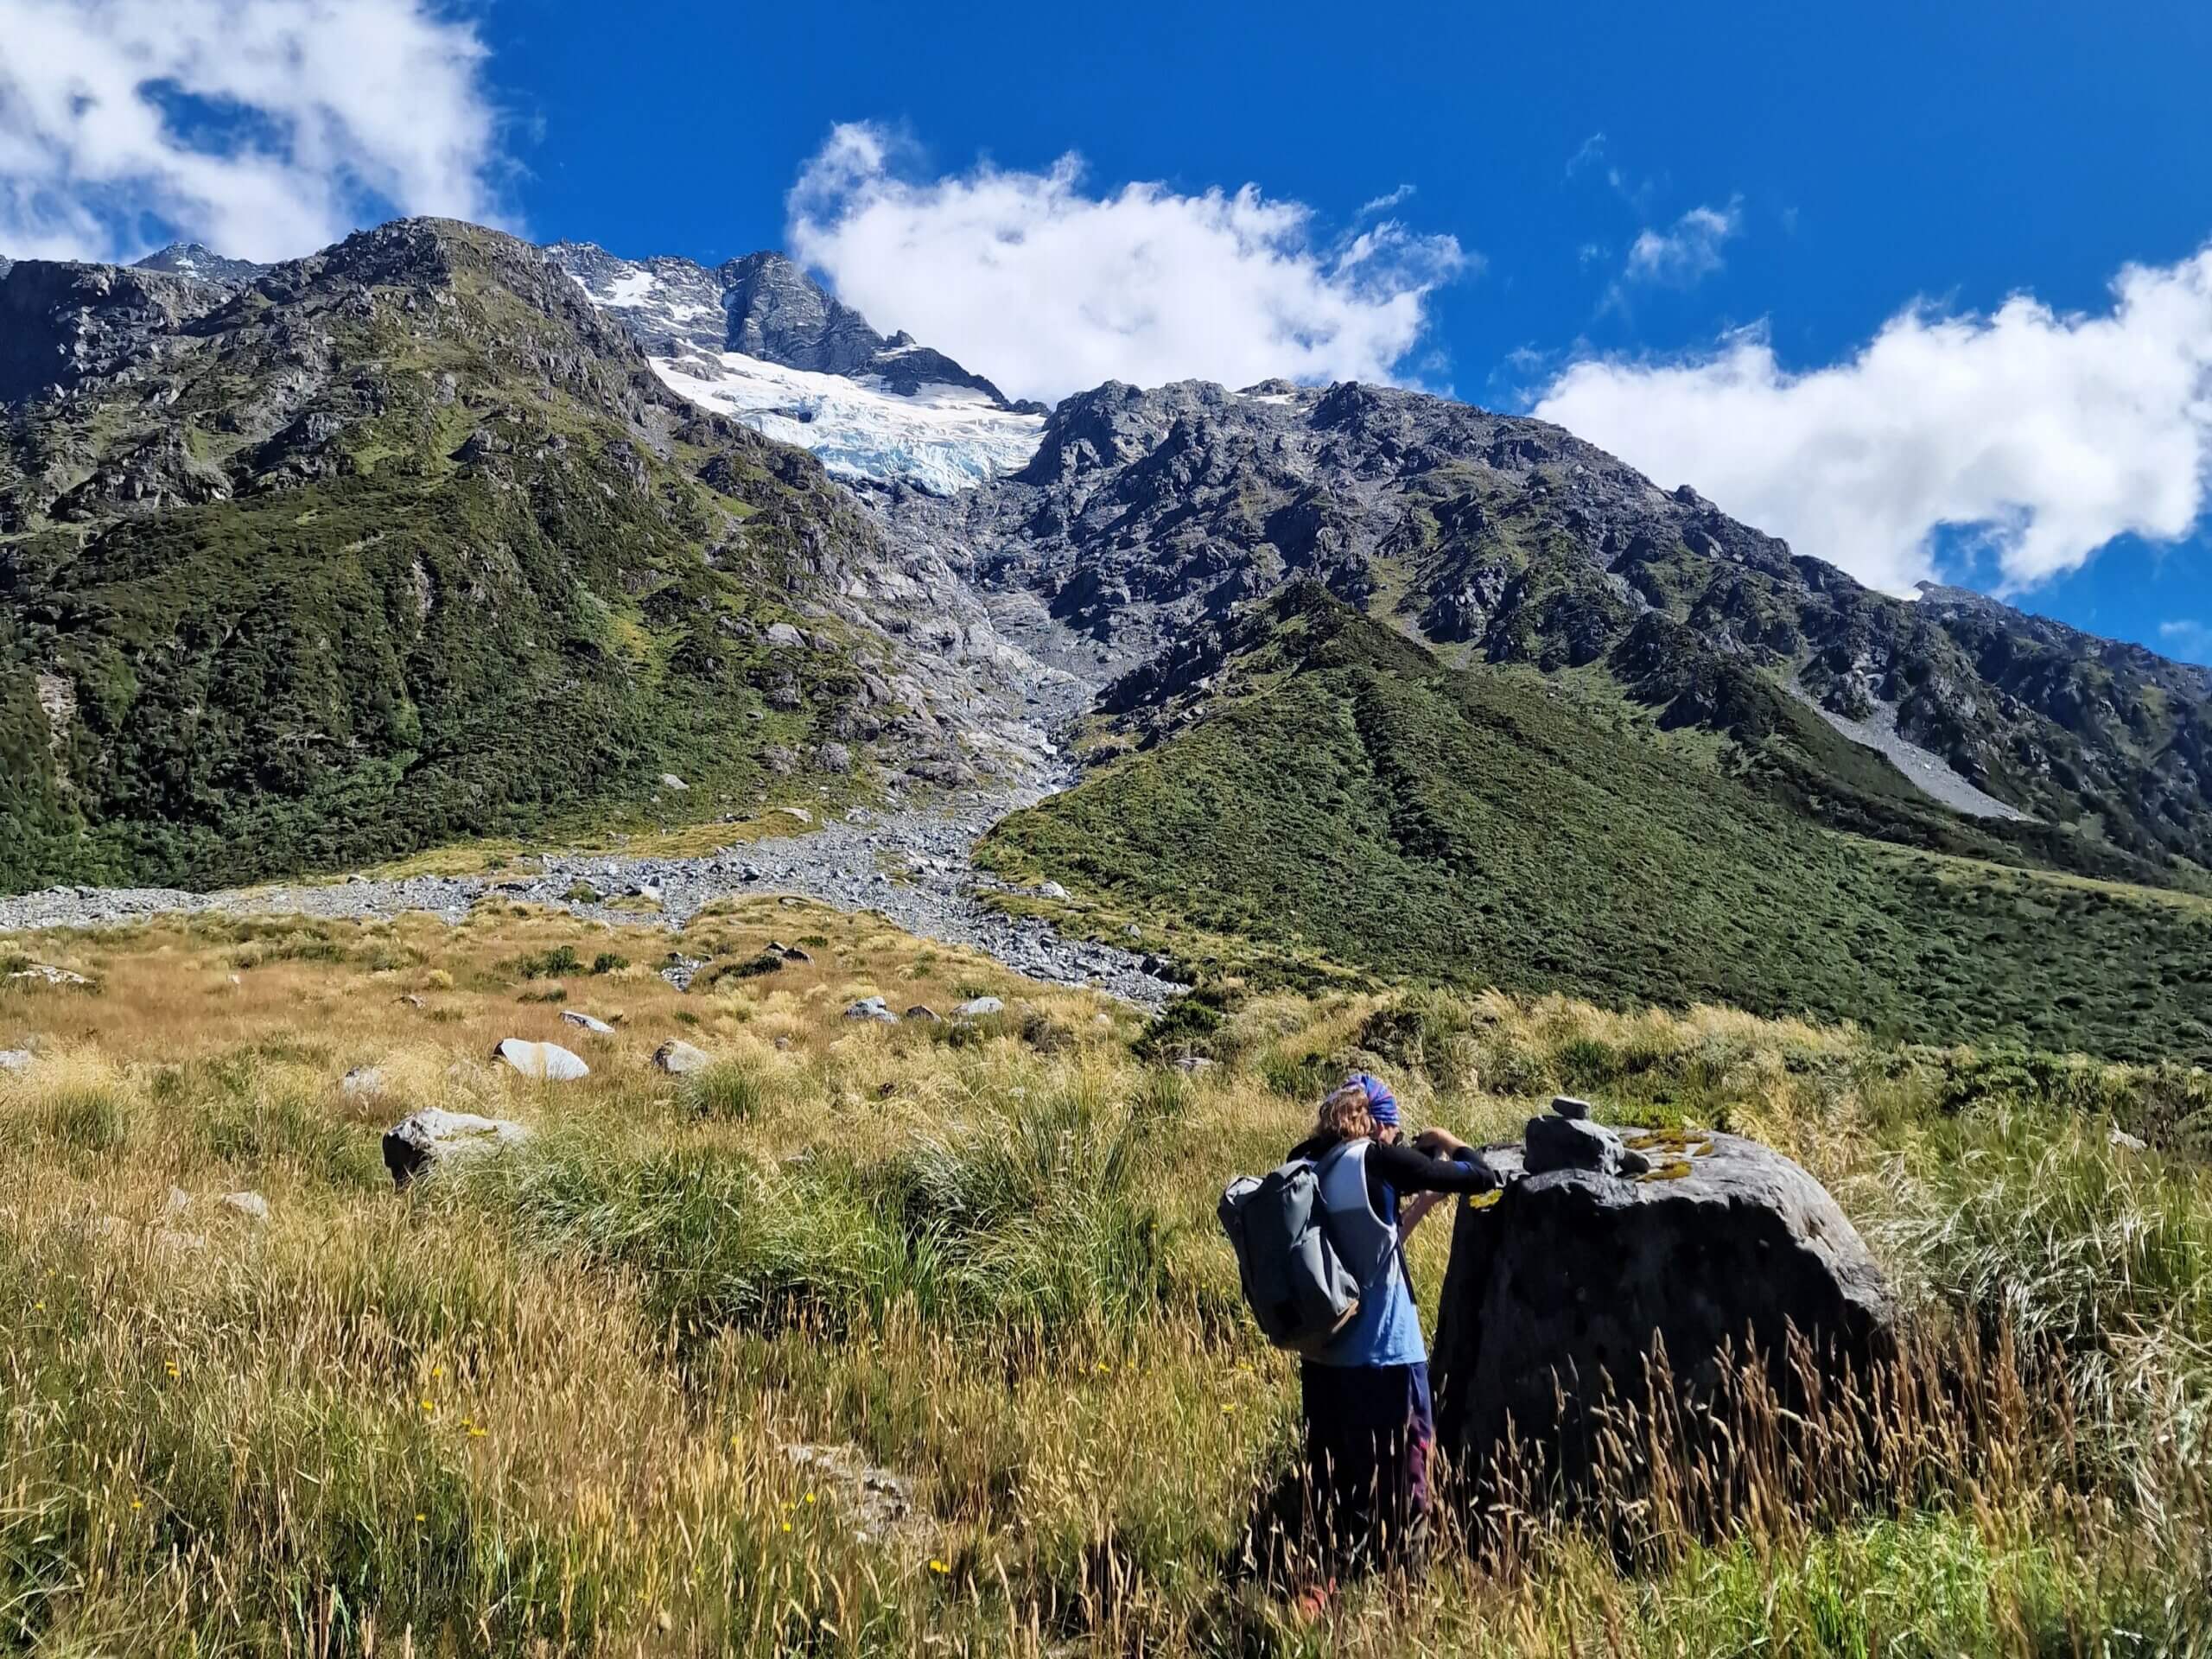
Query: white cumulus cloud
[[1049, 286], [264, 128], [2037, 436]]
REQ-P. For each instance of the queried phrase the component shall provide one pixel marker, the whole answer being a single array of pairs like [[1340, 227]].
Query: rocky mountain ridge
[[1147, 516], [763, 306], [996, 566], [406, 541]]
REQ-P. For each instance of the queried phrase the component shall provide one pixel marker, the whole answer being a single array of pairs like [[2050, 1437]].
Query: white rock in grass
[[670, 780], [2122, 1141], [872, 1008], [597, 1027], [251, 1206], [678, 1057], [979, 1009], [433, 1135], [14, 1059], [540, 1062], [49, 974], [365, 1080]]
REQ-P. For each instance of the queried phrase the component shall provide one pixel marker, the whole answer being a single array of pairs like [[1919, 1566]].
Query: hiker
[[1369, 1426]]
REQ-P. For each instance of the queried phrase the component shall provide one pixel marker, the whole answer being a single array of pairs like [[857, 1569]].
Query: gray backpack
[[1308, 1245]]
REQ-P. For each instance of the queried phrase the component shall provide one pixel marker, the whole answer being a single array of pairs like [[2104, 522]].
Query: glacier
[[939, 438]]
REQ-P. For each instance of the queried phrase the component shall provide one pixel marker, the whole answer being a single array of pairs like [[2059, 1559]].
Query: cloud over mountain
[[264, 128], [1049, 285], [2037, 436]]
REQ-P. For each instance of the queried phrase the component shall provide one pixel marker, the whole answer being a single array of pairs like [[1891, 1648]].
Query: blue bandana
[[1380, 1103]]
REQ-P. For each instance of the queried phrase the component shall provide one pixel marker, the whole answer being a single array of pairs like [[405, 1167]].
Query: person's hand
[[1440, 1143]]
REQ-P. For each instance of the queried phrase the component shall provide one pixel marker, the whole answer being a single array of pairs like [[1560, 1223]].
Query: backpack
[[1304, 1262]]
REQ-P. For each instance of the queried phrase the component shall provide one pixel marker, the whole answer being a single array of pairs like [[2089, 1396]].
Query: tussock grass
[[545, 1403]]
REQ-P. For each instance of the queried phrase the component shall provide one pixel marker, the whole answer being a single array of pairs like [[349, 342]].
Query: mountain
[[403, 542], [1145, 515], [759, 339], [1345, 804], [192, 259]]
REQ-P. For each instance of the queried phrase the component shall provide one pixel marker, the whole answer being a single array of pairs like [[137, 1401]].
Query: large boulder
[[1564, 1287], [434, 1136], [540, 1062]]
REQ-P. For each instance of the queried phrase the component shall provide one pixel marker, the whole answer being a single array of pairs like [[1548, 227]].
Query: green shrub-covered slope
[[400, 546], [1346, 806]]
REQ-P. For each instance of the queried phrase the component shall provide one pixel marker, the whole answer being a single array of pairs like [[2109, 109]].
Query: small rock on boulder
[[678, 1057], [1561, 1142], [432, 1136], [540, 1062], [1561, 1289]]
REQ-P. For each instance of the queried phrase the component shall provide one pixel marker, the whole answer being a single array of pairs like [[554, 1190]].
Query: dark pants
[[1370, 1430]]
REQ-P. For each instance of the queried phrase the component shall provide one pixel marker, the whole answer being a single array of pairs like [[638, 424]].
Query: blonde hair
[[1346, 1114]]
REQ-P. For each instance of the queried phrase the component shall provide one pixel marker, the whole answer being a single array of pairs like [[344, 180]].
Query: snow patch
[[943, 438]]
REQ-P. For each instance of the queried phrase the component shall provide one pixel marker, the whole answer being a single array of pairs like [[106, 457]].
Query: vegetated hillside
[[1343, 801], [397, 544], [1498, 538]]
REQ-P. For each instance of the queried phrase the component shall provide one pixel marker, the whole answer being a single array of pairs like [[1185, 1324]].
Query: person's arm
[[1409, 1170]]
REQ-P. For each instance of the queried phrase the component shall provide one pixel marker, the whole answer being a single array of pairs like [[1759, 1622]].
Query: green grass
[[1350, 807]]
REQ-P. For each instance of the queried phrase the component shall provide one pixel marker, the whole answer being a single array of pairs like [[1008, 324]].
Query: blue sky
[[1699, 206]]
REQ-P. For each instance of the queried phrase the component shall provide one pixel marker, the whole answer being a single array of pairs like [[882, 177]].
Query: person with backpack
[[1363, 1380]]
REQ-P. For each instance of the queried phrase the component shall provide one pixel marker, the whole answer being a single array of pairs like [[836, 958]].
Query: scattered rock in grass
[[798, 812], [981, 1007], [433, 1135], [1563, 1288], [596, 1026], [670, 780], [177, 1202], [880, 1503], [681, 970], [364, 1081], [677, 1058], [251, 1206], [1568, 1106], [540, 1062], [2124, 1141], [48, 973], [14, 1059], [872, 1008], [926, 1014], [784, 637], [1194, 1062], [414, 1001], [1051, 890]]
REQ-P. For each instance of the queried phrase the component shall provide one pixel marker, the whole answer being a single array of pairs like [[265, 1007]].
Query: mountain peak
[[197, 259]]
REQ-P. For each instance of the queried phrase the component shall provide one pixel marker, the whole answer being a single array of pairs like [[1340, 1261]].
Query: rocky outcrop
[[1567, 1288]]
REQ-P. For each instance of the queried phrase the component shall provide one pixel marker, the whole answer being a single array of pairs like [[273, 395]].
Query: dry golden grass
[[547, 1404]]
